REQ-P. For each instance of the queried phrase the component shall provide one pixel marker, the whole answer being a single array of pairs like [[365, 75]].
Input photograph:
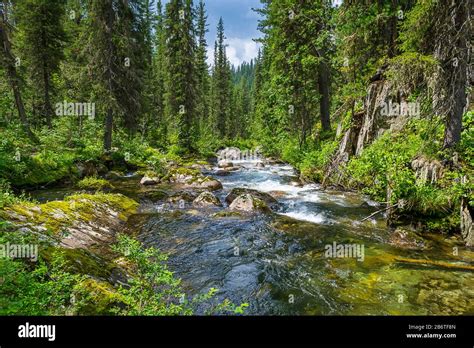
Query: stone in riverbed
[[222, 172], [207, 199], [208, 184], [248, 203], [265, 197], [225, 164], [406, 239], [182, 196], [146, 180]]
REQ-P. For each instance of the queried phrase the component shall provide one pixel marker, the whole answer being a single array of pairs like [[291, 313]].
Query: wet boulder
[[208, 184], [225, 164], [265, 197], [149, 180], [249, 204], [184, 196], [207, 199], [193, 179]]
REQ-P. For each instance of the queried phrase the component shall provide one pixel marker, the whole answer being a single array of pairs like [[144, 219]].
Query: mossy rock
[[207, 199], [265, 197], [94, 183], [94, 297], [79, 220], [249, 204]]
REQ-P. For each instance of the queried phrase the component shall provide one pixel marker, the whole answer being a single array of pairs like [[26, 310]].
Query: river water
[[278, 263]]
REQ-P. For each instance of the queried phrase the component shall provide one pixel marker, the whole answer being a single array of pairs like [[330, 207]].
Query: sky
[[240, 28]]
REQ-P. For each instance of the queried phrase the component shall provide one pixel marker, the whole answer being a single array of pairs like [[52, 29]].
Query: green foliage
[[412, 71], [41, 289], [315, 162], [386, 163]]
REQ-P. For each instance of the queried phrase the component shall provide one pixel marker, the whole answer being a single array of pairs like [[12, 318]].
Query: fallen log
[[379, 211], [443, 264]]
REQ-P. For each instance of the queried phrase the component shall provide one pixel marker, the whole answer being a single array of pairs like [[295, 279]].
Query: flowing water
[[277, 263]]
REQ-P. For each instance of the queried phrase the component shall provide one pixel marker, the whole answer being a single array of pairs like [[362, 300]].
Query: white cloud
[[238, 51]]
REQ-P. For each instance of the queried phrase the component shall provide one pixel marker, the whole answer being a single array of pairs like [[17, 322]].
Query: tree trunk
[[48, 110], [324, 92], [109, 124], [12, 74], [109, 118], [456, 72]]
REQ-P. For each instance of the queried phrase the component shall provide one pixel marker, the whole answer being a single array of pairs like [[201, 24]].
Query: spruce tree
[[43, 39], [202, 66], [221, 83], [181, 79]]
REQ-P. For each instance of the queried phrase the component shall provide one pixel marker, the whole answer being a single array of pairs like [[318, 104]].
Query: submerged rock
[[227, 214], [248, 203], [265, 197], [155, 195], [406, 239], [207, 199]]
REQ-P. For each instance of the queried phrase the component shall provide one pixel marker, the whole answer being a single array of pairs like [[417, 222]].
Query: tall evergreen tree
[[7, 62], [201, 65], [221, 80], [181, 70], [158, 122], [42, 33]]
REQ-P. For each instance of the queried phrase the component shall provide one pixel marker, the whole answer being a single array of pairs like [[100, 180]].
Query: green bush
[[315, 162]]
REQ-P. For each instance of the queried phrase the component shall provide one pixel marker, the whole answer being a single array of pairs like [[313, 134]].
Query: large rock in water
[[207, 199], [265, 197], [193, 179], [248, 203], [146, 180], [225, 164]]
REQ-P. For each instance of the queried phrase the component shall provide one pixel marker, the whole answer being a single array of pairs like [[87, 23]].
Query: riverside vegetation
[[363, 99]]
